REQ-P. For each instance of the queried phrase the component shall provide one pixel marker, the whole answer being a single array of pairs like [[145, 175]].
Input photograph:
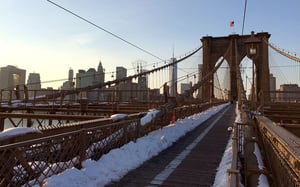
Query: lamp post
[[252, 50]]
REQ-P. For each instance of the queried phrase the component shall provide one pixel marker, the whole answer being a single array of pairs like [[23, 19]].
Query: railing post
[[138, 128], [125, 131], [233, 171], [83, 147], [2, 123]]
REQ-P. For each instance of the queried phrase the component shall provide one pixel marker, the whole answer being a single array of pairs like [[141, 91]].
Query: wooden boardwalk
[[192, 161]]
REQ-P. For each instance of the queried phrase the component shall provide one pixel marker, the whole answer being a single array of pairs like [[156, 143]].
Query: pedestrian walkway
[[192, 161]]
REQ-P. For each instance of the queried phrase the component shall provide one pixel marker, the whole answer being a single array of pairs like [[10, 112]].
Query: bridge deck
[[183, 165]]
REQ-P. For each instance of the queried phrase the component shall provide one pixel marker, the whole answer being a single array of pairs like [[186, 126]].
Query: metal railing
[[282, 150], [28, 161]]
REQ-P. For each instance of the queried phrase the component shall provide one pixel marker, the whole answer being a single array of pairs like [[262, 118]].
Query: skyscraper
[[10, 78], [173, 78], [121, 72], [100, 73], [272, 86], [90, 77], [33, 84], [71, 76]]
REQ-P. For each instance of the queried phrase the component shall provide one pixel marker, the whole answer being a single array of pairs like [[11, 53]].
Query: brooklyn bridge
[[62, 129]]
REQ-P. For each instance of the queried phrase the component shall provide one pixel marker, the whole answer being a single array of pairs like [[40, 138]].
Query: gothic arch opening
[[222, 80], [246, 66]]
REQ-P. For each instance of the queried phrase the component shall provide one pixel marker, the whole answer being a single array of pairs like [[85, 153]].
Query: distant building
[[129, 91], [69, 85], [12, 77], [288, 92], [121, 72], [123, 90], [173, 78], [272, 86], [184, 87], [34, 84], [100, 73], [90, 77], [71, 76]]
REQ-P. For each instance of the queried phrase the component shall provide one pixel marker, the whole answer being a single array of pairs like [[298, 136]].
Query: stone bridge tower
[[255, 46]]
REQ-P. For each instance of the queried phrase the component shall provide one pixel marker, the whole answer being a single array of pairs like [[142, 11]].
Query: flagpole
[[231, 24]]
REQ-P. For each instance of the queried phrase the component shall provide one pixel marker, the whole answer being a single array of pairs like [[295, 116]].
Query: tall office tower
[[122, 88], [10, 78], [69, 85], [173, 78], [34, 84], [71, 75], [100, 73], [85, 79], [272, 86], [121, 72]]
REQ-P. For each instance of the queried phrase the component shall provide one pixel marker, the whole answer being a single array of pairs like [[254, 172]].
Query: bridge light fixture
[[251, 44], [252, 51]]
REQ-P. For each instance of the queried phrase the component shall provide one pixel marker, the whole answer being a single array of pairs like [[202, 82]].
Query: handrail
[[286, 146]]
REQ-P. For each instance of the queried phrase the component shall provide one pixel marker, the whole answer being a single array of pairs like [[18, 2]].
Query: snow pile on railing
[[16, 132]]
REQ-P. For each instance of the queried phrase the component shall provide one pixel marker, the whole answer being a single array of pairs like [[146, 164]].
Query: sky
[[37, 36]]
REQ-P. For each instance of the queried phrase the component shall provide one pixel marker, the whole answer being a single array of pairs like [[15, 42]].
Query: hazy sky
[[37, 36]]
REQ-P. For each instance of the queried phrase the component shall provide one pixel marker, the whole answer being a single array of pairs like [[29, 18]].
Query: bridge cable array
[[206, 78], [282, 52]]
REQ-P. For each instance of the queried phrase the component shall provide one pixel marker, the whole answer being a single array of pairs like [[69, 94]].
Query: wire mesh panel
[[30, 162], [101, 140]]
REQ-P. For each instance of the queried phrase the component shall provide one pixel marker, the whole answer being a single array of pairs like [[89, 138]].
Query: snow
[[263, 181], [149, 116], [117, 117], [15, 132], [222, 176], [112, 166]]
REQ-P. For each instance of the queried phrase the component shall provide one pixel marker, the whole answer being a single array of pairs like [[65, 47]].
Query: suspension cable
[[283, 53], [205, 78], [105, 30], [244, 17]]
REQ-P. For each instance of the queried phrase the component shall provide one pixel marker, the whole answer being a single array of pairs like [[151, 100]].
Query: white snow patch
[[149, 116], [15, 132], [117, 117], [262, 181]]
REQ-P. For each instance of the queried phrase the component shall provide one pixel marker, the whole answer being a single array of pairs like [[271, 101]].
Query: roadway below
[[192, 161]]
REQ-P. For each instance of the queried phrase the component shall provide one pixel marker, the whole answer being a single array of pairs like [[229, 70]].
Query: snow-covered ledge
[[17, 132]]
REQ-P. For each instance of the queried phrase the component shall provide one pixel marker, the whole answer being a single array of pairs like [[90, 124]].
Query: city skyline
[[39, 37]]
